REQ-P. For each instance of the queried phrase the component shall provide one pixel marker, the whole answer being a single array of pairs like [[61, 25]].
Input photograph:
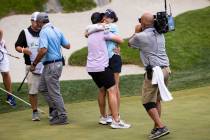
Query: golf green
[[187, 117]]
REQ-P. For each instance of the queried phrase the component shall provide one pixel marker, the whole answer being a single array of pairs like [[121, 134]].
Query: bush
[[20, 6], [77, 5]]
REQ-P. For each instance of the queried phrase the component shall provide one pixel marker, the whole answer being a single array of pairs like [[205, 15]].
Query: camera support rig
[[163, 22]]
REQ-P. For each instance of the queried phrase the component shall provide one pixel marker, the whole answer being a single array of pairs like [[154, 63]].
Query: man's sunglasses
[[139, 19]]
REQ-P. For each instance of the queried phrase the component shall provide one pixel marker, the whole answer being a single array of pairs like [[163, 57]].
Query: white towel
[[158, 78]]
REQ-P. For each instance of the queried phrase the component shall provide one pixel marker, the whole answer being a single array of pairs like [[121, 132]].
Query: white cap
[[34, 16]]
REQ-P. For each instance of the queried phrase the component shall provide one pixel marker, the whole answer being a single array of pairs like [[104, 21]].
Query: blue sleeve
[[114, 29], [64, 41], [43, 41]]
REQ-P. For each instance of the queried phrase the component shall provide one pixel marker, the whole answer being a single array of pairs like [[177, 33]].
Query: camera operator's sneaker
[[159, 133], [103, 120], [152, 132], [59, 120], [11, 100], [35, 116], [119, 125]]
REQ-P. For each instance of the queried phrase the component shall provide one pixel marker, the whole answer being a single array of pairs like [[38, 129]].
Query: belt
[[53, 61]]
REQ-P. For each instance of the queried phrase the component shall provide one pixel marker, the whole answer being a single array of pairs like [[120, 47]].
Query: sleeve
[[21, 41], [114, 29], [94, 28], [64, 40], [43, 41], [108, 36], [137, 40]]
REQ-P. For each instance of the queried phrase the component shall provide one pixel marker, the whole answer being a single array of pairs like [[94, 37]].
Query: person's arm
[[93, 28], [117, 39], [43, 46], [64, 42], [21, 44], [40, 55], [133, 42], [23, 50], [113, 37], [138, 28]]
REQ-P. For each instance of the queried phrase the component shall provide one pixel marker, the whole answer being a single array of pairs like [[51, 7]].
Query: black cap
[[111, 14], [97, 17]]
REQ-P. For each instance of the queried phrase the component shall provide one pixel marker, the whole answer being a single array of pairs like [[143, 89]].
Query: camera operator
[[152, 51]]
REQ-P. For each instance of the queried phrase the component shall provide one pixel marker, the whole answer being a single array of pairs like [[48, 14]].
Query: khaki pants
[[33, 81], [150, 93]]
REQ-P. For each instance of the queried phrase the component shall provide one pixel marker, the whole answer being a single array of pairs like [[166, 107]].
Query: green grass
[[187, 117], [9, 7], [86, 90], [194, 73], [77, 5], [187, 47]]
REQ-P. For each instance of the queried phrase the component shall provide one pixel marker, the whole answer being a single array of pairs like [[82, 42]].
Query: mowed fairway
[[187, 116]]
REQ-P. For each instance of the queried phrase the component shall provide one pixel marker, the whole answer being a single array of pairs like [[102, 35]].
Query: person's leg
[[158, 106], [98, 79], [158, 103], [113, 103], [8, 86], [7, 81], [153, 113], [116, 123], [33, 101], [33, 85], [115, 64], [102, 101], [151, 102], [53, 86], [117, 81], [43, 88], [150, 97]]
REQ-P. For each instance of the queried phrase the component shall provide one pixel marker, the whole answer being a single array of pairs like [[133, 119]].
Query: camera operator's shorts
[[4, 64], [103, 79], [33, 81], [150, 93], [115, 63]]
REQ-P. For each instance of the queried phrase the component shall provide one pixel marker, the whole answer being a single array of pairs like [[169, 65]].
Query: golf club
[[41, 111], [23, 81], [12, 55]]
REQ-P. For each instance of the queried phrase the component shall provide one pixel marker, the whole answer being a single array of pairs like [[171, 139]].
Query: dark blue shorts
[[115, 63]]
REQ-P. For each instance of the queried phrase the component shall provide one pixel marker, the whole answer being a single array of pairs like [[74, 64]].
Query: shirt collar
[[149, 29], [47, 25]]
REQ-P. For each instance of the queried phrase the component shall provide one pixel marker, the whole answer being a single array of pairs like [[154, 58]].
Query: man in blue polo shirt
[[51, 40]]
